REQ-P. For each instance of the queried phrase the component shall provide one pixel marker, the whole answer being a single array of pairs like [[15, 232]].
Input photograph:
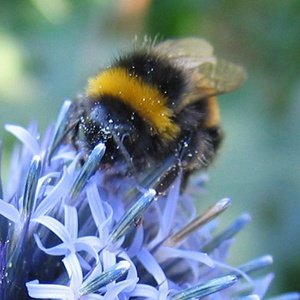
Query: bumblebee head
[[110, 125]]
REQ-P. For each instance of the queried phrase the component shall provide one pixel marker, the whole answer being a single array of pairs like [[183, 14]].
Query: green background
[[49, 48]]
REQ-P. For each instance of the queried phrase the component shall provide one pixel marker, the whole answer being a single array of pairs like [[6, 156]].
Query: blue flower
[[72, 231]]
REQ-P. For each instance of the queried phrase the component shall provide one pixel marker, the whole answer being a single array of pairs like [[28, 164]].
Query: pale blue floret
[[69, 232]]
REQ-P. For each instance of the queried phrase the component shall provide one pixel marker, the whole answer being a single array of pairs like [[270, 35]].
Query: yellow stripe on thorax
[[145, 99]]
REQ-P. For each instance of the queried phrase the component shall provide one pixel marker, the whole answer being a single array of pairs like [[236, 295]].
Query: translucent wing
[[209, 75], [222, 76], [188, 52]]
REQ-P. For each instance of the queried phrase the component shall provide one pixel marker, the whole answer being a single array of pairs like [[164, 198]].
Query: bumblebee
[[156, 104]]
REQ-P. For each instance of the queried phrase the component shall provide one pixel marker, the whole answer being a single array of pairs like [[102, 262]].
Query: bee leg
[[131, 167]]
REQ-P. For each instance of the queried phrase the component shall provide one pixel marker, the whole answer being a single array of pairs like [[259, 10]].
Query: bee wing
[[209, 75], [221, 76], [210, 79], [187, 52]]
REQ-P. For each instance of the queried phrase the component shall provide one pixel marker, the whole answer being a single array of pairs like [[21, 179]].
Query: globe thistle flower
[[72, 231]]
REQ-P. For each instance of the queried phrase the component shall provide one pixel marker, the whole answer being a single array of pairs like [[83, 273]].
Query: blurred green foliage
[[49, 48]]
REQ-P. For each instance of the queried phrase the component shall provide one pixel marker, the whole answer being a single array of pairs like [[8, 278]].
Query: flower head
[[72, 231]]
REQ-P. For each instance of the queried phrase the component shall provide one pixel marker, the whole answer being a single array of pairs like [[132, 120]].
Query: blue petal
[[48, 291], [58, 229], [89, 244], [55, 196], [262, 285], [101, 211], [74, 272], [141, 290], [57, 250], [25, 137], [71, 221], [60, 127], [167, 252], [10, 212], [153, 267], [115, 289]]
